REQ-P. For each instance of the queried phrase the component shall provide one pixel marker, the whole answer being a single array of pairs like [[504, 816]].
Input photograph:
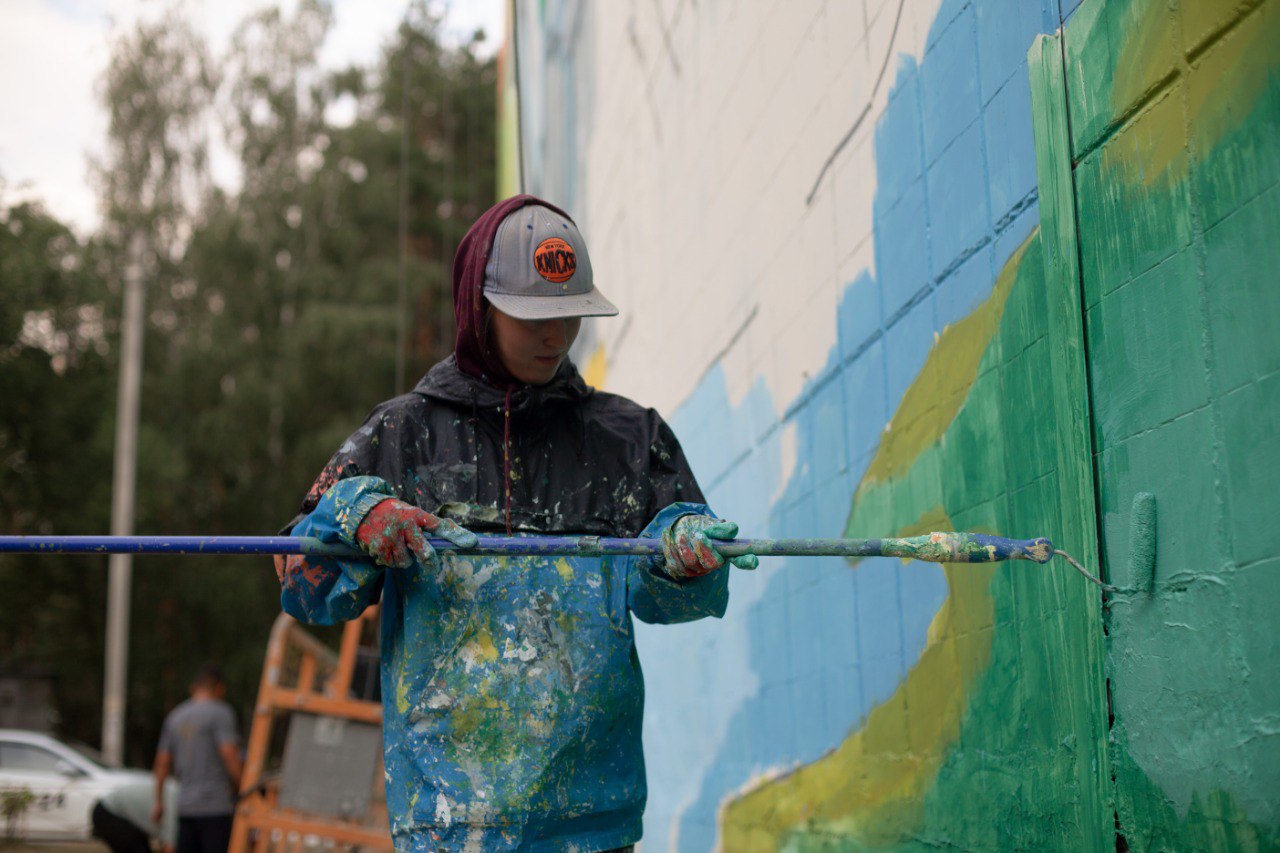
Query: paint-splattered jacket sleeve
[[655, 597], [327, 590], [652, 595]]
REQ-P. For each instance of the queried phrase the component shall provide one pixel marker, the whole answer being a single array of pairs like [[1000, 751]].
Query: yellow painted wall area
[[973, 713], [1155, 44], [596, 368], [932, 401], [871, 787]]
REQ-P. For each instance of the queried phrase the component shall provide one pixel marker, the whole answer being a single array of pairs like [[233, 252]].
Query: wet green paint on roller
[[1142, 542]]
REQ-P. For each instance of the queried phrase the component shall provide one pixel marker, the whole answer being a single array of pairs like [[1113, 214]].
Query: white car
[[54, 784]]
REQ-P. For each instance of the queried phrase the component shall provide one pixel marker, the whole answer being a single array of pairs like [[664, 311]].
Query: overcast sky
[[52, 53]]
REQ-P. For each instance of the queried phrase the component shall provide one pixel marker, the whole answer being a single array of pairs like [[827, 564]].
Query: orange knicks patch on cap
[[554, 260]]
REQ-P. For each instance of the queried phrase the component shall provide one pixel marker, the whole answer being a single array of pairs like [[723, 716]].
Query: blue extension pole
[[934, 547]]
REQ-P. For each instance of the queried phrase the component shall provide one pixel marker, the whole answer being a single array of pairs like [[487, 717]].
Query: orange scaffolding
[[303, 675]]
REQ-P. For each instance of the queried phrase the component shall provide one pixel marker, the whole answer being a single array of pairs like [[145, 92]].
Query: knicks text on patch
[[554, 260]]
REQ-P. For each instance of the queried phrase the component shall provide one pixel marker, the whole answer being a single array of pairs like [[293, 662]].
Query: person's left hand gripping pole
[[394, 533], [688, 544]]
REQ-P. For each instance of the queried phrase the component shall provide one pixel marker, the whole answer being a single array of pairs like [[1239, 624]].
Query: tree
[[271, 324], [58, 386]]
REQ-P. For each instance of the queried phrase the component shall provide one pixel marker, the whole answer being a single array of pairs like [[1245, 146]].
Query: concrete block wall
[[1178, 167], [821, 223]]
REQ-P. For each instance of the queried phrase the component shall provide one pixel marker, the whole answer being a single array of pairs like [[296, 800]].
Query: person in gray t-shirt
[[199, 744]]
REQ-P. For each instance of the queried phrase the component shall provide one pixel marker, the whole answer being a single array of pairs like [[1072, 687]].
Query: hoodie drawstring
[[506, 455]]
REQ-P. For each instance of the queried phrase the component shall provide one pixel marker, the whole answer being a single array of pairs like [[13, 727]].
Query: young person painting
[[511, 688]]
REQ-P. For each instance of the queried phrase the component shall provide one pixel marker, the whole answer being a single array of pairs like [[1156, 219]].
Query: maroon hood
[[471, 349]]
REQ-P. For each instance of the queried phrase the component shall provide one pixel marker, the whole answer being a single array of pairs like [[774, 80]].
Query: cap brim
[[592, 304]]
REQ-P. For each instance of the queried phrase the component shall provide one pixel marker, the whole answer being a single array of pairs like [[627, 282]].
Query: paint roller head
[[1142, 542], [1039, 550]]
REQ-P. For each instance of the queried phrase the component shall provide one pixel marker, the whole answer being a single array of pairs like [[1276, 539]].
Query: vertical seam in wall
[[1098, 540]]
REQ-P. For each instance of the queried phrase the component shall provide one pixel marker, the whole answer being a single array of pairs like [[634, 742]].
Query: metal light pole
[[120, 566]]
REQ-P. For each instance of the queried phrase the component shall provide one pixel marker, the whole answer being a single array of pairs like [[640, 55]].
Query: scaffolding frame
[[320, 684]]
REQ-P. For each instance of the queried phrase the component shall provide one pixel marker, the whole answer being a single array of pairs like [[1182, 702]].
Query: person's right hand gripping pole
[[688, 545], [394, 533]]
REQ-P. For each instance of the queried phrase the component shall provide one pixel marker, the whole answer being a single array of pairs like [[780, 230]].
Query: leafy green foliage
[[271, 328], [58, 387]]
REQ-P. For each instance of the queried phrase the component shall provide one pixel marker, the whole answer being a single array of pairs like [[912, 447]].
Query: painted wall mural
[[841, 200], [1175, 113]]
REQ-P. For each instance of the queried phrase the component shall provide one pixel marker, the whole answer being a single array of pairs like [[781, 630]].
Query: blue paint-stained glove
[[689, 548]]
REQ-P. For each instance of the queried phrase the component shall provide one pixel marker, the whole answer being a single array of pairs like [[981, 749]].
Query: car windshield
[[87, 752]]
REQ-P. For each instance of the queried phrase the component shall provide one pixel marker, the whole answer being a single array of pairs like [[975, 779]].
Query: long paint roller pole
[[933, 547]]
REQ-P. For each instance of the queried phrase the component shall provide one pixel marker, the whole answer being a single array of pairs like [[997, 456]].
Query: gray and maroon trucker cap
[[539, 268]]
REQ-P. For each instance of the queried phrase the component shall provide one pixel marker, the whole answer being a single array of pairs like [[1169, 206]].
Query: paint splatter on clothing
[[512, 692]]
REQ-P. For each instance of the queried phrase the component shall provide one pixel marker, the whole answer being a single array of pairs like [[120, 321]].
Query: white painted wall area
[[709, 126]]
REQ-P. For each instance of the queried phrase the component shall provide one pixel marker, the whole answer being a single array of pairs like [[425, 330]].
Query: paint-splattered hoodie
[[512, 692]]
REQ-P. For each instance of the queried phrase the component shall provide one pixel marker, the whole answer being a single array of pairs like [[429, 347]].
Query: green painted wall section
[[1023, 772], [1175, 110], [994, 738]]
